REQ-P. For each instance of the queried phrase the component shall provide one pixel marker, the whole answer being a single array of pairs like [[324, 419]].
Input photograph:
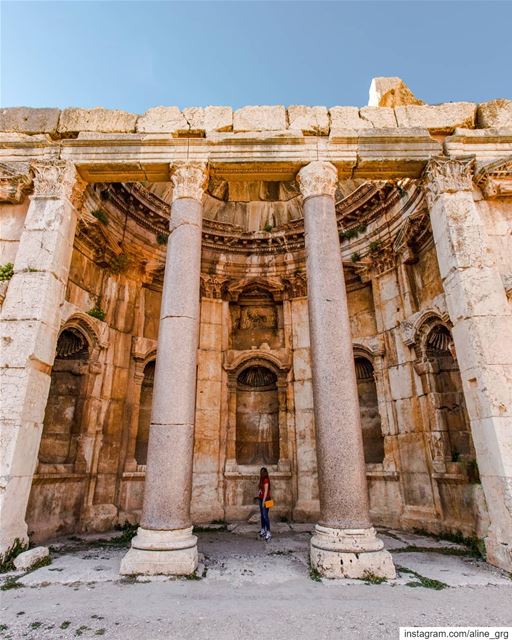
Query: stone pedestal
[[29, 326], [344, 521], [165, 544], [482, 333]]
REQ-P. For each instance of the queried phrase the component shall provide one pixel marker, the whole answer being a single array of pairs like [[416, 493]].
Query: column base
[[168, 553], [350, 553]]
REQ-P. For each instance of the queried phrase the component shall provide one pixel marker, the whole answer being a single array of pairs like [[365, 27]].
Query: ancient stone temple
[[190, 295]]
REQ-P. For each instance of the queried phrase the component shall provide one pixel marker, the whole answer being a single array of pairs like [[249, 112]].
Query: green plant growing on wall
[[97, 311], [268, 227], [374, 246], [353, 232], [355, 257], [6, 271], [162, 238], [100, 215], [119, 263]]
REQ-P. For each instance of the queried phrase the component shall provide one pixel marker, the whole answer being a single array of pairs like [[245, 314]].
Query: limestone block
[[390, 92], [163, 120], [489, 392], [204, 119], [259, 118], [97, 119], [19, 445], [380, 117], [440, 119], [347, 118], [27, 559], [28, 121], [310, 120], [475, 292], [494, 114]]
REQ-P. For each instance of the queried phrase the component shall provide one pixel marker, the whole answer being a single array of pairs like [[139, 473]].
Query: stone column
[[482, 333], [29, 328], [345, 544], [164, 543]]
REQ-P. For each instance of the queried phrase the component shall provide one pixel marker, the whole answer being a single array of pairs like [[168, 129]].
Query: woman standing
[[263, 497]]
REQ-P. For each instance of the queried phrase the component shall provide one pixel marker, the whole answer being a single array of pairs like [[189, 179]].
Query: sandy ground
[[249, 589]]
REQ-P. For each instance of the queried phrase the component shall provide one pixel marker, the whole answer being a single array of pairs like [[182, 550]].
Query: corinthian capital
[[317, 179], [448, 175], [189, 180], [58, 179], [15, 181]]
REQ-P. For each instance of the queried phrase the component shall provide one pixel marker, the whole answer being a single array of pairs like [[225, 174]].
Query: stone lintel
[[382, 153]]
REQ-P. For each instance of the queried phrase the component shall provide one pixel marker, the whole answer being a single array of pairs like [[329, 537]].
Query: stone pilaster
[[29, 328], [482, 333], [164, 543], [345, 543]]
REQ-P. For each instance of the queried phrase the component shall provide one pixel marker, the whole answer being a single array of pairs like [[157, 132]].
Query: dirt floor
[[245, 588]]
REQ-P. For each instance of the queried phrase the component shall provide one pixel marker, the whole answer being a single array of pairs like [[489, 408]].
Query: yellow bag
[[268, 504]]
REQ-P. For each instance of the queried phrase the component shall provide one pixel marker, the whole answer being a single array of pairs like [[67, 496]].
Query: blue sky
[[137, 54]]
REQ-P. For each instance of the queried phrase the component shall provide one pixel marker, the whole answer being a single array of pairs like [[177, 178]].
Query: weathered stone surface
[[441, 119], [163, 120], [391, 92], [205, 119], [380, 117], [97, 119], [347, 118], [259, 118], [494, 114], [310, 120], [26, 560], [29, 121]]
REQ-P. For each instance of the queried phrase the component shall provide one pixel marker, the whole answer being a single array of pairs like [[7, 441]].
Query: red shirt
[[266, 481]]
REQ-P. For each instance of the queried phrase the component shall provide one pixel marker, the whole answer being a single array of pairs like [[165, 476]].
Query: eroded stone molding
[[189, 180], [15, 181], [410, 328], [447, 175], [318, 179], [495, 179], [59, 179]]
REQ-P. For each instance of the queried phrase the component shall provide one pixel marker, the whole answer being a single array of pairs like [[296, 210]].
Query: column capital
[[58, 179], [15, 181], [189, 180], [318, 179], [447, 175]]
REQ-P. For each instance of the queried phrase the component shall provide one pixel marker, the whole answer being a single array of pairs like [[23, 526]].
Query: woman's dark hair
[[263, 476]]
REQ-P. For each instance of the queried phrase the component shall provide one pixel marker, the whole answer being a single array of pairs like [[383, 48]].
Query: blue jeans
[[265, 520]]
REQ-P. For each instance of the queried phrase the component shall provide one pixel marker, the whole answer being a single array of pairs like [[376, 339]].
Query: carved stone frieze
[[447, 175], [59, 179], [318, 179], [495, 179], [189, 180], [15, 181]]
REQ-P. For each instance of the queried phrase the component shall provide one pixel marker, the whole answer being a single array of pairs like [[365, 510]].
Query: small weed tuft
[[95, 312], [268, 227], [65, 624], [374, 246], [371, 578], [422, 581], [81, 630], [43, 562], [355, 257], [7, 560], [6, 271], [162, 238], [100, 215], [314, 574]]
